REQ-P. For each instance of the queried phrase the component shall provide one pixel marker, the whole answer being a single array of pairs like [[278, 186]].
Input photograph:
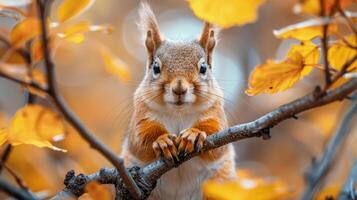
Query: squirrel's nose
[[179, 89]]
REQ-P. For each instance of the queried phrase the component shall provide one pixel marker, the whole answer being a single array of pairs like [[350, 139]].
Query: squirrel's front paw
[[189, 140], [165, 145]]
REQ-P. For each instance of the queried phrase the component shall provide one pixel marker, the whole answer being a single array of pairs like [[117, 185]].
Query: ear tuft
[[149, 28], [208, 39]]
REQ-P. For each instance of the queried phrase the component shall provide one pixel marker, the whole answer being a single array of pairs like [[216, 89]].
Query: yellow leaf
[[272, 76], [226, 13], [330, 191], [248, 187], [74, 33], [11, 56], [313, 6], [24, 31], [35, 125], [306, 30], [37, 49], [339, 53], [71, 8], [114, 65], [3, 136], [97, 191], [38, 77]]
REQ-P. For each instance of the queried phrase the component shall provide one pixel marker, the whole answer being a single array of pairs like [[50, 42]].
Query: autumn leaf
[[37, 48], [246, 187], [35, 125], [340, 53], [329, 191], [306, 30], [272, 76], [71, 8], [226, 13], [11, 56], [114, 65], [24, 31], [38, 77], [313, 7], [97, 191], [74, 33]]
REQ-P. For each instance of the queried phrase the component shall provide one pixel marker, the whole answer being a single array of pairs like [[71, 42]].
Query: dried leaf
[[272, 76], [306, 30], [74, 33], [228, 13], [24, 31], [313, 7], [98, 191], [71, 8], [248, 187], [115, 65], [35, 125], [340, 53]]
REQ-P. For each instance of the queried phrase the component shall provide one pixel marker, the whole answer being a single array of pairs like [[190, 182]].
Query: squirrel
[[176, 106]]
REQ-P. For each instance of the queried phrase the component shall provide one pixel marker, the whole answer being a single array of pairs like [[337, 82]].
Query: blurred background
[[104, 102]]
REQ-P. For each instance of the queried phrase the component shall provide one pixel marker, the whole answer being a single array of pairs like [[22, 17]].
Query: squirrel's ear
[[149, 28], [208, 39]]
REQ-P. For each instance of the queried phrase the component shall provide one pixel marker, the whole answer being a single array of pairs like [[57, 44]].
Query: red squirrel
[[176, 106]]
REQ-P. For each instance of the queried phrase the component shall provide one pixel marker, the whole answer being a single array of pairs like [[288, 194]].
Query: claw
[[165, 146], [190, 140]]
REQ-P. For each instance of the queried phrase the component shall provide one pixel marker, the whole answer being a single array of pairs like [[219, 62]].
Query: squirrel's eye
[[203, 68], [156, 67]]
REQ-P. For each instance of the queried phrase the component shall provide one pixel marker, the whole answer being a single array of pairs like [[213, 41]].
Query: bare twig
[[324, 42], [147, 176], [5, 156], [319, 168], [17, 178], [342, 72], [85, 133], [15, 192], [23, 83], [350, 23], [348, 191]]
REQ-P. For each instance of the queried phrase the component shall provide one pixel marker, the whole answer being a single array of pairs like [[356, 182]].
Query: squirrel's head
[[178, 73]]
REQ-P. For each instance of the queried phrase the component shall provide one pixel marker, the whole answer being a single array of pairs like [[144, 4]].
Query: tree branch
[[15, 192], [5, 156], [348, 191], [324, 41], [320, 168], [85, 133], [147, 176]]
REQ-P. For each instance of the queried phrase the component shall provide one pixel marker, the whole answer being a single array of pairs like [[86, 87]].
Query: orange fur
[[211, 126], [175, 110], [140, 143]]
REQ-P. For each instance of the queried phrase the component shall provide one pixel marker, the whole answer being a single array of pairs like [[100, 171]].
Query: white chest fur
[[175, 123]]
